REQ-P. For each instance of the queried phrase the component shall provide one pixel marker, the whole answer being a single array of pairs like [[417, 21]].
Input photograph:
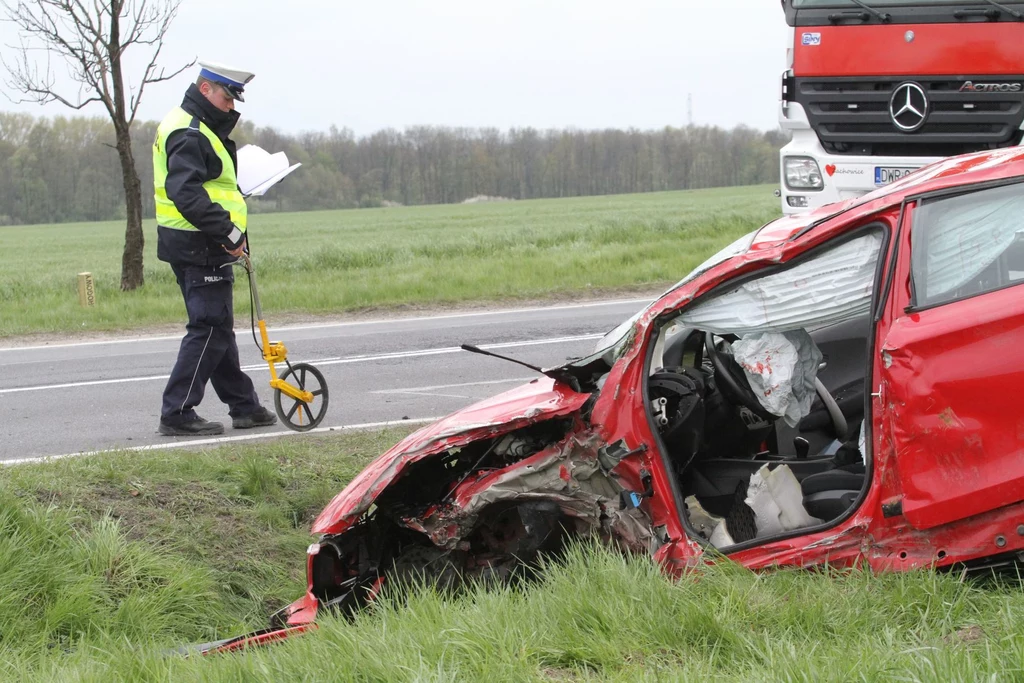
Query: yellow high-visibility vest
[[223, 189]]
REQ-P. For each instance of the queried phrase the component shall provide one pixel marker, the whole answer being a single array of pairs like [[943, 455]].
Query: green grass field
[[336, 261], [106, 562]]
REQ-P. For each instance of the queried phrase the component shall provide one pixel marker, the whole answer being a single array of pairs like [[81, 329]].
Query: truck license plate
[[887, 174]]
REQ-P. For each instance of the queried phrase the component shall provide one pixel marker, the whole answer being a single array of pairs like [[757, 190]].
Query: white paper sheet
[[258, 170]]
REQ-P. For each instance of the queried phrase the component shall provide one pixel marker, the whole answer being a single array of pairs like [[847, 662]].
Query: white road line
[[353, 323], [90, 383], [414, 390], [319, 362], [425, 394], [220, 440], [447, 349]]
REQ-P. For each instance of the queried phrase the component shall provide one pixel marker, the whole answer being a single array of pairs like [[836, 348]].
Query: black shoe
[[196, 427], [260, 418]]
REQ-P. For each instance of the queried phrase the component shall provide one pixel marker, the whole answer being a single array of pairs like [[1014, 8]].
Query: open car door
[[953, 360]]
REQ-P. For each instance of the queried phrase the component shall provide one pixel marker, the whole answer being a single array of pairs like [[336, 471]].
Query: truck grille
[[851, 115]]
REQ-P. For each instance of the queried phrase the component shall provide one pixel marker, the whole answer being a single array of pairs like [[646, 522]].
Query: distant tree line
[[66, 169]]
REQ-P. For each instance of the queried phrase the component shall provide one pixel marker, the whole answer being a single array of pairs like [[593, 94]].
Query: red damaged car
[[844, 386]]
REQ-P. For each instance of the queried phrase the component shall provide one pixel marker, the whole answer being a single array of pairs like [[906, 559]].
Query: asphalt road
[[63, 399]]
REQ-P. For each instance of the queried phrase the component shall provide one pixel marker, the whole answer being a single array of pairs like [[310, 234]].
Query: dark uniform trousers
[[208, 352]]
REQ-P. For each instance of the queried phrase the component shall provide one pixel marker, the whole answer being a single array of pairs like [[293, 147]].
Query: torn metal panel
[[542, 399], [567, 474]]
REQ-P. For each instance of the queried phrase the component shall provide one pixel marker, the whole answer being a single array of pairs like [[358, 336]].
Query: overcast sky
[[549, 64]]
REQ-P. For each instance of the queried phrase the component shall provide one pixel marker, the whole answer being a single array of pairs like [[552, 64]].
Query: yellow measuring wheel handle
[[289, 390], [275, 352]]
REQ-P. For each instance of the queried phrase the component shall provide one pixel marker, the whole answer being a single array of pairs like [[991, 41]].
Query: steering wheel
[[730, 379], [733, 383]]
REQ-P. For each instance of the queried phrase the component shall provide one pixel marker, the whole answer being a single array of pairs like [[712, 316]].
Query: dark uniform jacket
[[191, 161]]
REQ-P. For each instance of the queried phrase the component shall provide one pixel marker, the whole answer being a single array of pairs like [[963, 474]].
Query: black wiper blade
[[558, 374], [883, 17], [990, 14]]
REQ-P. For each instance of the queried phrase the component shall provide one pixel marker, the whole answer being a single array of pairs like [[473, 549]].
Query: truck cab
[[874, 90]]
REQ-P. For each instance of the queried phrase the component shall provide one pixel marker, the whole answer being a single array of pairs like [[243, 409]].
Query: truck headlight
[[802, 173]]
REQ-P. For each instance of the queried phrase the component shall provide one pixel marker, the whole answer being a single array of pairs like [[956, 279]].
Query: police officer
[[201, 219]]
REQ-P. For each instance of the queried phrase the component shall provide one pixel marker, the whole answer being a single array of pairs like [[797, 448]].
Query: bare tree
[[91, 37]]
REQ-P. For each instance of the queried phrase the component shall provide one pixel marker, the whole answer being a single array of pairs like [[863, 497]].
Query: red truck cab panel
[[913, 50]]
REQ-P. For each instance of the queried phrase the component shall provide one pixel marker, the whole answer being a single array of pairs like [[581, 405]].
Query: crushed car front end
[[644, 446], [478, 496]]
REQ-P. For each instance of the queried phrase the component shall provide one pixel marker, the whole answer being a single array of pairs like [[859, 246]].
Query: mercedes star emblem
[[908, 107]]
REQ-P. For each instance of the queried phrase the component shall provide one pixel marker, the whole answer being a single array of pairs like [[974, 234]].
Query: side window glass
[[968, 245]]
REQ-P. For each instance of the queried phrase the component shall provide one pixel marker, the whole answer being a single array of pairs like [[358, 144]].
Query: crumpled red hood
[[541, 399]]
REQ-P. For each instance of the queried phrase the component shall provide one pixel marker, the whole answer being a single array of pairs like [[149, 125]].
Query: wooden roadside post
[[86, 290]]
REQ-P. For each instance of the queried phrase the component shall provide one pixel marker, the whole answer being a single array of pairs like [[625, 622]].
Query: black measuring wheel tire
[[296, 414]]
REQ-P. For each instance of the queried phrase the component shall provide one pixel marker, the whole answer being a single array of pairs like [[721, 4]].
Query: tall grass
[[68, 582], [162, 548], [108, 562], [601, 616], [334, 261]]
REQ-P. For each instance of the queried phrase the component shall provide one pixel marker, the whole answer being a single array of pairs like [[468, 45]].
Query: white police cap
[[232, 79]]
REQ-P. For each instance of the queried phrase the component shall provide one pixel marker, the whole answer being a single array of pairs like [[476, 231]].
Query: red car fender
[[541, 399]]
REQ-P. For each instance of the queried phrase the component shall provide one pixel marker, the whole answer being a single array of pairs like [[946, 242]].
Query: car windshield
[[613, 339]]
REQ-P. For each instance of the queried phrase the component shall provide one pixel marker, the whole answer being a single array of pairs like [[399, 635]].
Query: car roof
[[966, 169]]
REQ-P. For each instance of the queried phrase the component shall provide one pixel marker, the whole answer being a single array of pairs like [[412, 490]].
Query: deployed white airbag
[[777, 501], [780, 367], [832, 286]]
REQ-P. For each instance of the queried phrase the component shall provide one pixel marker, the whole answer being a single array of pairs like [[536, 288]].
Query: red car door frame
[[952, 377]]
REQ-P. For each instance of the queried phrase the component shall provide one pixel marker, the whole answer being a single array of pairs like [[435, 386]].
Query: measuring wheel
[[294, 413]]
